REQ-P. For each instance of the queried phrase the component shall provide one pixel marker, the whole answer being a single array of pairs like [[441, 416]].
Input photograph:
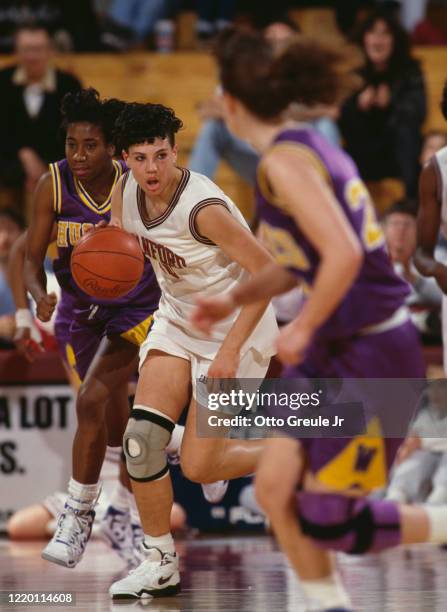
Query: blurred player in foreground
[[318, 220]]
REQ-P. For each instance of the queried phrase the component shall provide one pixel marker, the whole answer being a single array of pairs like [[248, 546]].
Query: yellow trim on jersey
[[71, 366], [296, 147], [137, 335], [89, 201], [339, 474], [57, 187]]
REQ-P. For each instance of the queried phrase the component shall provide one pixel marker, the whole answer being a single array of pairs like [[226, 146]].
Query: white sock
[[165, 543], [325, 593], [83, 492], [437, 518], [176, 440], [120, 498], [113, 454]]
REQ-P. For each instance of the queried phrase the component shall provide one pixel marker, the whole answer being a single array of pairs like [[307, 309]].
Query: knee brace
[[349, 524], [145, 439]]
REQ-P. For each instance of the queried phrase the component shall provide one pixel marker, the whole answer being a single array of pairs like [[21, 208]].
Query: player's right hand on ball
[[116, 222], [45, 307], [96, 226]]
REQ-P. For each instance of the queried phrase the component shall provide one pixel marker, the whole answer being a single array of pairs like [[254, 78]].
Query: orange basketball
[[107, 263]]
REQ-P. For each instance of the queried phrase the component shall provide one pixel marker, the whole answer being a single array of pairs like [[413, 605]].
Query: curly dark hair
[[85, 105], [444, 101], [306, 71], [143, 123]]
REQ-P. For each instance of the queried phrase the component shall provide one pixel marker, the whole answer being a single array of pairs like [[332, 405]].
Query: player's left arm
[[217, 224]]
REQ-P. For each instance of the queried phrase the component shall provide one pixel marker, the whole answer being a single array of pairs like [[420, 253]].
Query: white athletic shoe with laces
[[156, 576], [73, 531], [117, 531]]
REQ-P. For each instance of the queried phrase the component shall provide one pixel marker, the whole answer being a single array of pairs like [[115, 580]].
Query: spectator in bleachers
[[421, 470], [31, 94], [381, 123], [215, 142], [73, 24], [426, 297], [11, 226], [15, 12], [129, 22], [212, 17]]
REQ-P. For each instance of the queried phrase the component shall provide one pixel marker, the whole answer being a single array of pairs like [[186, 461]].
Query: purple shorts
[[361, 462], [64, 317], [90, 325]]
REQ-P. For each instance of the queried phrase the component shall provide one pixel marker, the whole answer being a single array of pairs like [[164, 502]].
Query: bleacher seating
[[183, 79]]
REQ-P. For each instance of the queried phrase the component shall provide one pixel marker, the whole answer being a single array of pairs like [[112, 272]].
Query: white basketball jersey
[[441, 163], [188, 265]]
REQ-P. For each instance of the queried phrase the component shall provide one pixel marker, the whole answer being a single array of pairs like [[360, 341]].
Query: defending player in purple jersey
[[105, 336], [318, 220]]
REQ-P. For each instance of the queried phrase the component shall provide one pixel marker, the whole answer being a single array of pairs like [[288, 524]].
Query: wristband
[[23, 318]]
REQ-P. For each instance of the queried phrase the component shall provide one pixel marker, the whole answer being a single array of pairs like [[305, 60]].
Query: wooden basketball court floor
[[241, 574]]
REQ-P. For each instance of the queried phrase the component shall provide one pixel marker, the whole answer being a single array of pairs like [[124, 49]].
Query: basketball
[[107, 263]]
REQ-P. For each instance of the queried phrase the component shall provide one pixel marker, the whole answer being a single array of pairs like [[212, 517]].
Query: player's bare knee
[[144, 443], [197, 471], [270, 492], [90, 405]]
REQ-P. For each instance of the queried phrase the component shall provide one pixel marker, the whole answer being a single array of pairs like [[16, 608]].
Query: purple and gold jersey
[[377, 291], [76, 212]]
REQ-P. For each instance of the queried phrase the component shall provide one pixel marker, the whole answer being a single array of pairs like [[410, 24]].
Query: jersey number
[[358, 199], [283, 247]]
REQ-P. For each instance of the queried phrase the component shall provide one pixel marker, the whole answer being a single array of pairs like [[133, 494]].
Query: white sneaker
[[72, 533], [117, 531], [156, 576], [215, 491]]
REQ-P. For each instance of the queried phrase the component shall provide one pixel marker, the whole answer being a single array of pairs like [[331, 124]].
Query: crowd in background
[[119, 25], [380, 125]]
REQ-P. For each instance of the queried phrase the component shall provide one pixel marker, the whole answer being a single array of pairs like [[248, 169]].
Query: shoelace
[[70, 527], [148, 564]]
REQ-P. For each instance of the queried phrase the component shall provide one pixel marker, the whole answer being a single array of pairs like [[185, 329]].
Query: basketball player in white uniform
[[432, 218], [198, 243]]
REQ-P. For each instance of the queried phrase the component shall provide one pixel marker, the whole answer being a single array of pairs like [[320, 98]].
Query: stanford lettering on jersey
[[167, 258]]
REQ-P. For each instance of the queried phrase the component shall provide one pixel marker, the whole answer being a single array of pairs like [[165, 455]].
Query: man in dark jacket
[[31, 94]]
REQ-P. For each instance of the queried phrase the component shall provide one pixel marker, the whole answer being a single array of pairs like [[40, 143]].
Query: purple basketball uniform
[[90, 319], [369, 335]]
